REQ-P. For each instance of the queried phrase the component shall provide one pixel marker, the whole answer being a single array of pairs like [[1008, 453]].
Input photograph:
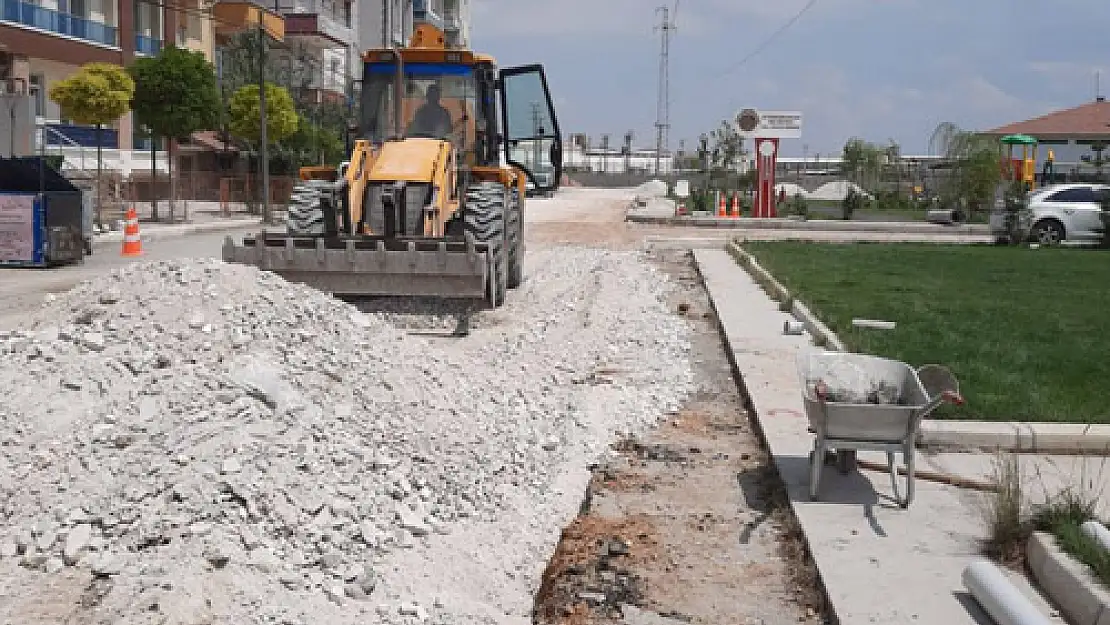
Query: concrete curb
[[820, 225], [175, 231], [1045, 438], [1067, 581], [822, 335]]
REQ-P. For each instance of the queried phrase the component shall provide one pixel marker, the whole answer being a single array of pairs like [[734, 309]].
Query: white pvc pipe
[[998, 597], [1098, 532], [874, 324]]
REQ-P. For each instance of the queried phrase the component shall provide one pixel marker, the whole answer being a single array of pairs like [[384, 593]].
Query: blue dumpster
[[41, 216]]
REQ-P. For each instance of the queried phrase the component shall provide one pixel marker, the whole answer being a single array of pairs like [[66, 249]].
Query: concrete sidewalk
[[156, 231], [878, 562]]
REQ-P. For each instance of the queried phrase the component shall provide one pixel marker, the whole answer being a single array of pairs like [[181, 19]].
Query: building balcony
[[309, 19], [49, 20], [424, 13], [148, 46], [81, 136]]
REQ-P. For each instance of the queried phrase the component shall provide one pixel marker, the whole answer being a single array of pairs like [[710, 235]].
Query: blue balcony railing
[[84, 136], [55, 22], [147, 45]]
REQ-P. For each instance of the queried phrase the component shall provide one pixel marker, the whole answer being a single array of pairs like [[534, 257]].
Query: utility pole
[[663, 106], [537, 132], [262, 139], [628, 136]]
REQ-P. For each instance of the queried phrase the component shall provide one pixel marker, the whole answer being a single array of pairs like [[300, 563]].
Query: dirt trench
[[690, 524]]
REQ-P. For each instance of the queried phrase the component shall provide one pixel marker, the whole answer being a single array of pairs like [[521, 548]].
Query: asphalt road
[[23, 289]]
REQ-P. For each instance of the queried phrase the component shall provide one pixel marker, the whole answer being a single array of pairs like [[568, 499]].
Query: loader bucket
[[369, 266]]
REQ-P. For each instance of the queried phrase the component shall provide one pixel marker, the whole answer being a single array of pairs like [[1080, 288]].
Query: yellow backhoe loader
[[431, 202]]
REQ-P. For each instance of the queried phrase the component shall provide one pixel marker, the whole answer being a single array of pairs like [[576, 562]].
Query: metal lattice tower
[[663, 106]]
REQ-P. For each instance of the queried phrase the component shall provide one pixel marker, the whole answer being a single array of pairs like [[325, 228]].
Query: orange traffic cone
[[132, 244], [722, 205], [735, 203]]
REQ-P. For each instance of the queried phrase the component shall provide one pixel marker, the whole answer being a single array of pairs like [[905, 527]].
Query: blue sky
[[879, 69]]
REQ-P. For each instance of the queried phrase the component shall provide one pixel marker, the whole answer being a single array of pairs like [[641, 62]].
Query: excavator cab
[[431, 201], [455, 98]]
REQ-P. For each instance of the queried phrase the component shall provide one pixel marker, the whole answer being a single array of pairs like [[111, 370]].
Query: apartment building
[[387, 23], [321, 37], [48, 40]]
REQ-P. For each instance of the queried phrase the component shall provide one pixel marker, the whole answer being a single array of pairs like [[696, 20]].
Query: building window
[[38, 92], [347, 13]]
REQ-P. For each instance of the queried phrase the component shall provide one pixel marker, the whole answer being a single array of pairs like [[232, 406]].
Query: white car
[[1067, 212]]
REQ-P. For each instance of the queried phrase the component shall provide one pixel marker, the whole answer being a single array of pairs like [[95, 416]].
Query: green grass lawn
[[1027, 332]]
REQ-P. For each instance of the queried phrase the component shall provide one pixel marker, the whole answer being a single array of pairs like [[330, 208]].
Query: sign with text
[[753, 123], [17, 228]]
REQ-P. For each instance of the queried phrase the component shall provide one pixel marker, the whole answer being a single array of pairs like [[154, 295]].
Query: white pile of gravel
[[652, 189], [217, 445]]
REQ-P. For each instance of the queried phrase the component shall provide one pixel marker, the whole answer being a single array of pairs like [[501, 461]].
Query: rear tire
[[484, 216], [516, 240]]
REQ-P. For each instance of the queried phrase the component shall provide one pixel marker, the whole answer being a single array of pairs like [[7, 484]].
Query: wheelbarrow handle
[[951, 397], [821, 390]]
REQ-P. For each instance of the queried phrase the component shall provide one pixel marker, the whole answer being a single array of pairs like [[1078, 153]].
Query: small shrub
[[1008, 527], [1011, 521], [1015, 204], [852, 202], [892, 200], [799, 206]]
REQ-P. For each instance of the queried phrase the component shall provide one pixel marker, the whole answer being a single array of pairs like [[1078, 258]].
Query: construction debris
[[224, 446]]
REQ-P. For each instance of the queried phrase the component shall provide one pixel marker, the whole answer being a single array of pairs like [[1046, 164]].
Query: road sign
[[753, 123], [682, 188]]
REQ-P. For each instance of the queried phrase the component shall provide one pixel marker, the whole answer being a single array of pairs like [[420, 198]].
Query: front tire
[[484, 217], [305, 216], [1049, 232]]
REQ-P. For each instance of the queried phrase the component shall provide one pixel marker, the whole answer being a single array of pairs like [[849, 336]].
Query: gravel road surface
[[186, 442]]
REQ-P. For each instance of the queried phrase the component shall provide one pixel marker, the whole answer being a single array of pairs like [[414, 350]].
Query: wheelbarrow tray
[[861, 421]]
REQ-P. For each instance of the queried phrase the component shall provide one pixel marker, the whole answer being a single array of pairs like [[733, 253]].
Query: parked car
[[1062, 212]]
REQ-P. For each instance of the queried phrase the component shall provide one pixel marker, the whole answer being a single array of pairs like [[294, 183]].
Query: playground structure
[[1023, 169]]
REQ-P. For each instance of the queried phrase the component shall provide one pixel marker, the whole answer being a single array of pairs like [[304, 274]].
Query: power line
[[768, 41]]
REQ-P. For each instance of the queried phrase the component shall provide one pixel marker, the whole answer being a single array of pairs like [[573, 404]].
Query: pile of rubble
[[220, 444]]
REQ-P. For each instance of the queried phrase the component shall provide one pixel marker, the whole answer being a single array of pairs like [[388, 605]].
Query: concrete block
[[1045, 438], [1068, 582], [972, 435], [1067, 437]]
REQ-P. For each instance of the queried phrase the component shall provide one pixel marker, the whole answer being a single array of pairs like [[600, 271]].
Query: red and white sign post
[[766, 149], [766, 129]]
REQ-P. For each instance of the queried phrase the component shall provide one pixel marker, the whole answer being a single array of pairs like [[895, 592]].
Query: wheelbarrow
[[861, 402]]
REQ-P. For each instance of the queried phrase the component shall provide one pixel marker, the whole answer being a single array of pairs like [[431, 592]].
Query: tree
[[862, 162], [728, 146], [295, 68], [98, 94], [244, 113], [313, 143], [975, 161], [175, 95]]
